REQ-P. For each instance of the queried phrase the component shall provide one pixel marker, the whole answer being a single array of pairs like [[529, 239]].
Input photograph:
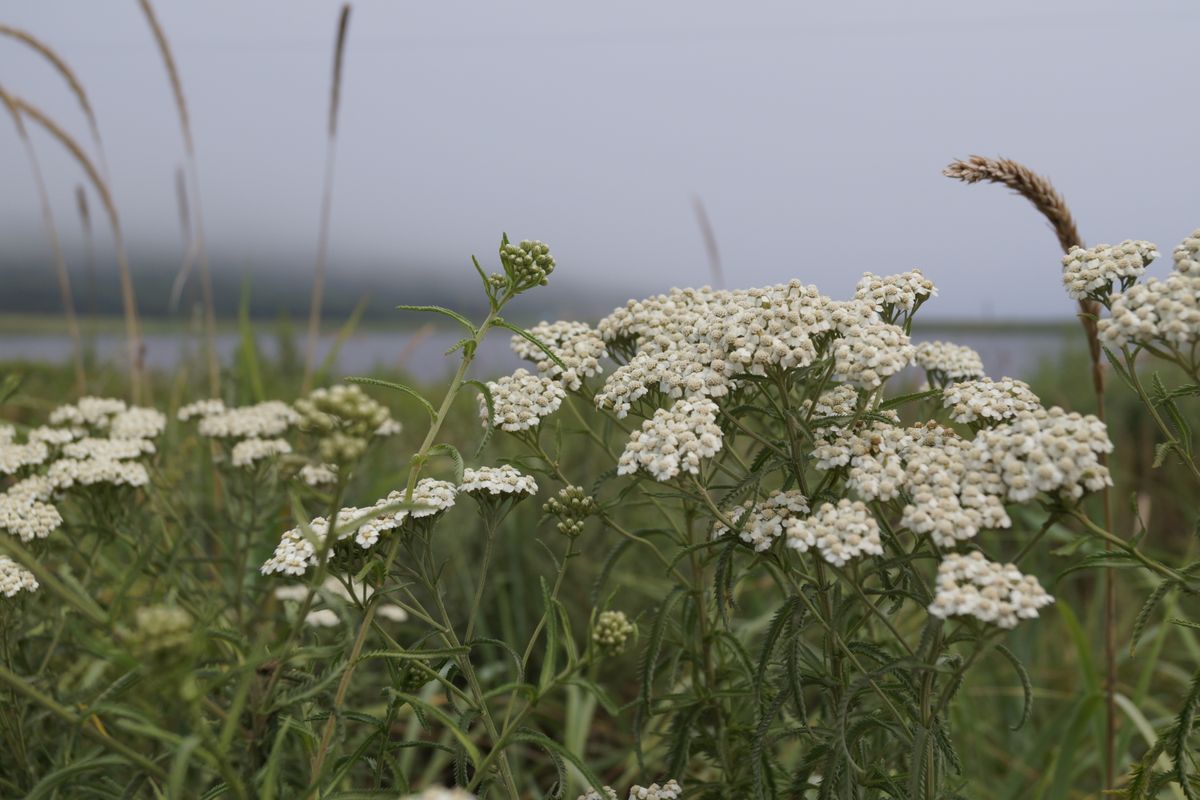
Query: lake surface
[[422, 353]]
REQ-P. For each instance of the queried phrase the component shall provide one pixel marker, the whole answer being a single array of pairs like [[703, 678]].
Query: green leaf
[[538, 343], [445, 312], [901, 399], [1143, 616], [605, 699], [1113, 560], [548, 744], [399, 387], [1026, 685], [550, 616], [452, 452]]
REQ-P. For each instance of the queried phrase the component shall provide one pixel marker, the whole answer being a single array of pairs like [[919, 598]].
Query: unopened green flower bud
[[526, 264], [571, 506], [611, 631]]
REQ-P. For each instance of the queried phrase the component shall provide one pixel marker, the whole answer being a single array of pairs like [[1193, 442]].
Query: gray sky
[[815, 133]]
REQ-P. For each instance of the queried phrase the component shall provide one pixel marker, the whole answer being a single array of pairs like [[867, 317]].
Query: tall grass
[[197, 229], [318, 289]]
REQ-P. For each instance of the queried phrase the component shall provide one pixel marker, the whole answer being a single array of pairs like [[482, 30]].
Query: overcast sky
[[814, 132]]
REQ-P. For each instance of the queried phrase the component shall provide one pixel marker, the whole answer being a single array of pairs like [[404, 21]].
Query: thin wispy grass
[[318, 289], [197, 228], [128, 298], [60, 261], [710, 242]]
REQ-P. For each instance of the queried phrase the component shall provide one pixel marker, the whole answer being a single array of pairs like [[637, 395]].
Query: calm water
[[422, 353]]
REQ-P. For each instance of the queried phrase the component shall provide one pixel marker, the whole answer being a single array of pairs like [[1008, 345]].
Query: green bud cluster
[[526, 265], [571, 507], [611, 630], [411, 678], [343, 418]]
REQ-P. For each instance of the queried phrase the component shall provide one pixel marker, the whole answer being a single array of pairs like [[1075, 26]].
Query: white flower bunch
[[504, 479], [261, 420], [108, 449], [200, 408], [440, 793], [970, 585], [867, 355], [1157, 311], [92, 412], [989, 401], [521, 400], [67, 473], [331, 586], [606, 793], [24, 512], [611, 630], [671, 790], [839, 532], [1091, 272], [577, 345], [248, 452], [767, 519], [891, 294], [1049, 450], [674, 439], [1187, 254], [54, 437], [137, 424], [14, 457], [15, 578], [948, 361], [318, 474], [298, 550]]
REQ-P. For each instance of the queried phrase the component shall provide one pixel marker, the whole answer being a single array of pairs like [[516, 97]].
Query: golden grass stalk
[[197, 228], [89, 247], [1038, 190], [60, 262], [133, 333], [318, 289], [710, 242], [68, 74]]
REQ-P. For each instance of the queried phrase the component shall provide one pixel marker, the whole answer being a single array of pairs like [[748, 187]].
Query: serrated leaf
[[536, 342], [1026, 685], [1143, 616], [399, 387], [445, 312], [452, 452]]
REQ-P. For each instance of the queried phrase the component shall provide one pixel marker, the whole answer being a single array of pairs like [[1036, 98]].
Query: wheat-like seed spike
[[338, 54], [128, 299], [1035, 188]]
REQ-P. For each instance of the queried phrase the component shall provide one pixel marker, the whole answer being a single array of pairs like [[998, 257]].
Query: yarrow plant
[[762, 537]]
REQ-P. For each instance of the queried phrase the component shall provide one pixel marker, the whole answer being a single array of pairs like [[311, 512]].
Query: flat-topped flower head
[[839, 532], [91, 412], [440, 793], [249, 452], [14, 578], [258, 421], [989, 401], [1187, 254], [895, 297], [867, 355], [671, 790], [675, 439], [14, 457], [200, 408], [108, 449], [945, 361], [501, 480], [576, 344], [998, 594], [767, 519], [319, 474], [605, 793], [521, 400], [137, 423], [72, 473], [1091, 272], [1165, 312], [54, 437]]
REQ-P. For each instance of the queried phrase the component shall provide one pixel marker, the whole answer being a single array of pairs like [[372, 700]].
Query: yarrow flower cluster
[[671, 790], [248, 452], [521, 401], [946, 361], [318, 474], [1091, 272], [15, 578], [766, 521], [440, 793], [674, 439], [526, 265], [343, 418], [1165, 312], [261, 420], [504, 479], [299, 549], [1187, 254], [989, 401], [895, 296], [867, 355], [970, 585], [576, 344], [839, 532], [333, 587]]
